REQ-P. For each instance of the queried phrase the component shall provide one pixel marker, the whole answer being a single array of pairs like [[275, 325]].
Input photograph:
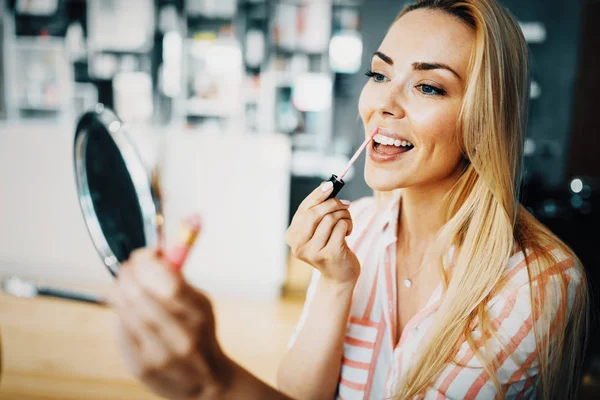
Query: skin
[[166, 328]]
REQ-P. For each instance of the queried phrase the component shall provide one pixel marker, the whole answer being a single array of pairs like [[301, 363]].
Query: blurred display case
[[120, 42], [121, 26], [39, 78], [214, 77]]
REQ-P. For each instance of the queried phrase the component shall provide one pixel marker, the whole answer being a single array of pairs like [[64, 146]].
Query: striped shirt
[[373, 363]]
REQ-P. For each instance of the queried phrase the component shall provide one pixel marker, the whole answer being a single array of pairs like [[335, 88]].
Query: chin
[[384, 180]]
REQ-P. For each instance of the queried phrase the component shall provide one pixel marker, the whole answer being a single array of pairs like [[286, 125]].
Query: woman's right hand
[[317, 235], [166, 330]]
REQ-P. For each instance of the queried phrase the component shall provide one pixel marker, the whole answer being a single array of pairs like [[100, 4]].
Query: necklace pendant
[[407, 283]]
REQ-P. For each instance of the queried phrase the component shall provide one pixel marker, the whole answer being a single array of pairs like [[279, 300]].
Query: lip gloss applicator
[[338, 180]]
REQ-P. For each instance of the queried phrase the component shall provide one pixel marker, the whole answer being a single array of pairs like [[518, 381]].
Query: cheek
[[436, 127], [365, 103]]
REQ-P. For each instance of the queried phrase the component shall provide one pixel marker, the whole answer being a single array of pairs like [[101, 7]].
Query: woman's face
[[415, 94]]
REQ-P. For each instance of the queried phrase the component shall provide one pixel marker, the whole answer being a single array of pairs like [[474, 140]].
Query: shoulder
[[551, 274], [532, 266]]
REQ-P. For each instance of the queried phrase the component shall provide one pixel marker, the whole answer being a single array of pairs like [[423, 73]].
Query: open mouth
[[390, 146]]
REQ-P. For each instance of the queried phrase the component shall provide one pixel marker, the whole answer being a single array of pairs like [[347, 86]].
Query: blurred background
[[246, 106]]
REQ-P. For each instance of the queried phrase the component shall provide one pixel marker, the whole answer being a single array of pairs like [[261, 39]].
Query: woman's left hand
[[166, 331]]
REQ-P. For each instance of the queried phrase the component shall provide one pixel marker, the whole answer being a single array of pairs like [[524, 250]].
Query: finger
[[146, 357], [303, 229], [317, 196], [169, 289], [182, 375], [337, 240], [153, 352], [330, 206], [171, 331], [155, 274], [325, 229]]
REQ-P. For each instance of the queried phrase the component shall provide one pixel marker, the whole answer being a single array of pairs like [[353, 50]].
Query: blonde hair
[[485, 220]]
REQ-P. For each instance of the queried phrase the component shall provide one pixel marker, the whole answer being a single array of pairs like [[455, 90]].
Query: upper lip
[[390, 133]]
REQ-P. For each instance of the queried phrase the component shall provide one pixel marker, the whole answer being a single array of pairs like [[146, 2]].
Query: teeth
[[386, 140]]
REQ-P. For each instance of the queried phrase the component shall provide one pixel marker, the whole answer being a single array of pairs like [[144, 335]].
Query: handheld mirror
[[121, 210]]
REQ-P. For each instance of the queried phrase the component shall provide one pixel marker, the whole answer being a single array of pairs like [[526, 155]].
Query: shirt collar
[[390, 209]]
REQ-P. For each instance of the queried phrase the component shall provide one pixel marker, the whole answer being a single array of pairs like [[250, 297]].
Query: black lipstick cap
[[338, 184]]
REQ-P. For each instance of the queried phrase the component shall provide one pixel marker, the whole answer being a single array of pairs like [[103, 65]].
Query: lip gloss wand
[[338, 180]]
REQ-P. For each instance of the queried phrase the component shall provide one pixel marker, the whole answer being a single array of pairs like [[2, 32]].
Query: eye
[[430, 90], [378, 78]]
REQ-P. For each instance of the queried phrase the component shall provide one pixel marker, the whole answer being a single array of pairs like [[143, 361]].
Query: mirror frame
[[148, 201]]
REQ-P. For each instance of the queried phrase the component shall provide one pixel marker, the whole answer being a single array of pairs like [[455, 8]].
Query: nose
[[389, 104]]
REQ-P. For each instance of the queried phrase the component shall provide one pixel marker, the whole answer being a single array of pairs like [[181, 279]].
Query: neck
[[422, 214]]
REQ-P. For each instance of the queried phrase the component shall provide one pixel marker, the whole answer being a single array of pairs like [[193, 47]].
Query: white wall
[[42, 233], [240, 186], [238, 183]]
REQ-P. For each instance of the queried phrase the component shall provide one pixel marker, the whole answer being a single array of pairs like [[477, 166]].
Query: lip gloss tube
[[190, 230]]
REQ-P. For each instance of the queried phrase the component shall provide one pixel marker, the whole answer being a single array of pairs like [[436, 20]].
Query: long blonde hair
[[485, 220]]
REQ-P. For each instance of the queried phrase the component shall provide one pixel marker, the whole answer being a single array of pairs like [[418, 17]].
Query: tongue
[[385, 149]]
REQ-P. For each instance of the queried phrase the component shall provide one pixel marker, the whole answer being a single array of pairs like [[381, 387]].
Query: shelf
[[209, 108], [30, 107]]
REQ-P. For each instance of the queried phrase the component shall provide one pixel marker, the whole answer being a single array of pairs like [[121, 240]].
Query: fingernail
[[326, 186], [345, 202]]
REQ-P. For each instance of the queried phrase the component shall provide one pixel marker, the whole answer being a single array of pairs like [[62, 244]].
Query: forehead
[[429, 36]]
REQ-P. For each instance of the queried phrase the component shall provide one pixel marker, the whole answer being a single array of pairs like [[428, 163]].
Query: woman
[[432, 293], [442, 285]]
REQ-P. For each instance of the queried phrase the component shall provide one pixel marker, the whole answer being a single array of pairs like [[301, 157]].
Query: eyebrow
[[419, 66], [385, 58], [426, 66]]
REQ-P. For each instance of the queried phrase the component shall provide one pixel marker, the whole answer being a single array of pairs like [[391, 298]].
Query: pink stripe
[[506, 311], [359, 343], [364, 322], [562, 266], [390, 297], [352, 385], [355, 364], [416, 319], [376, 351], [514, 271], [372, 296], [502, 355], [361, 238], [521, 371]]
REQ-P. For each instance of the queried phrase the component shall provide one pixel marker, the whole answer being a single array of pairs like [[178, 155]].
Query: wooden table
[[57, 349]]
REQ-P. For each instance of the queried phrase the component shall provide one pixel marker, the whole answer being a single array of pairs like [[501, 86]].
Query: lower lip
[[375, 156]]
